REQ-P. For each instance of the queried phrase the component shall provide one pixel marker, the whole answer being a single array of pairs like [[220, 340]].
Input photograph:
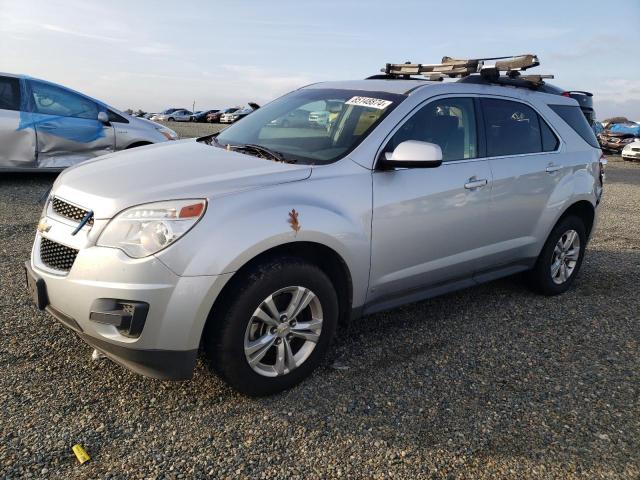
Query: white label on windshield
[[376, 103]]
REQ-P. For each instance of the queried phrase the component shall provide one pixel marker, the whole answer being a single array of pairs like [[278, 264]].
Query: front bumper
[[160, 364], [631, 154], [178, 306]]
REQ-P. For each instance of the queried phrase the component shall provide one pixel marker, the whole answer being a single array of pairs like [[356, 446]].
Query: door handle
[[552, 168], [473, 183]]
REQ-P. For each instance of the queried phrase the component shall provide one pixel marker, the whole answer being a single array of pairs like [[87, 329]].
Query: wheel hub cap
[[282, 329]]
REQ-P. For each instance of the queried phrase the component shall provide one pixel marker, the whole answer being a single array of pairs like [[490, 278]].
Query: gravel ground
[[189, 129], [491, 382]]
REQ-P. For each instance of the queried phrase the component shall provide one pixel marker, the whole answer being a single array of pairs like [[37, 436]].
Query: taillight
[[601, 164], [566, 94]]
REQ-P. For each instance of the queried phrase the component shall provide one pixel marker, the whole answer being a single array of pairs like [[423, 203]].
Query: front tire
[[561, 258], [275, 329]]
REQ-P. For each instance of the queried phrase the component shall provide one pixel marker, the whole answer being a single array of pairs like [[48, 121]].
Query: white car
[[632, 150], [232, 117]]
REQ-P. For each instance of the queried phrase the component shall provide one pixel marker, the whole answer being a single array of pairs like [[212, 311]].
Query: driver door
[[67, 127], [429, 224]]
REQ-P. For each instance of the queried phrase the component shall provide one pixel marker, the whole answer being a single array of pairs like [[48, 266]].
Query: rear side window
[[573, 116], [512, 128], [9, 93]]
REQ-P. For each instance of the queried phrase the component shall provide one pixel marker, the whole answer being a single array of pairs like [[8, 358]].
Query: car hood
[[167, 171]]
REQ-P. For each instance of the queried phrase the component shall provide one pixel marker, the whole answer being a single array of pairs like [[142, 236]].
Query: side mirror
[[103, 117], [413, 154]]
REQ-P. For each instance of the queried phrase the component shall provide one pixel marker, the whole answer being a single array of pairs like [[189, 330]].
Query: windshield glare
[[313, 126]]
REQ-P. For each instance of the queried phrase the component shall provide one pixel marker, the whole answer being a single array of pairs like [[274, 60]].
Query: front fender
[[240, 226]]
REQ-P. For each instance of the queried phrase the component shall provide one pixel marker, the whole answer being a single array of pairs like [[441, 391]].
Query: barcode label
[[377, 103]]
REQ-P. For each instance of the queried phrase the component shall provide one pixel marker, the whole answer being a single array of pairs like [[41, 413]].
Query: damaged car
[[46, 126], [618, 135]]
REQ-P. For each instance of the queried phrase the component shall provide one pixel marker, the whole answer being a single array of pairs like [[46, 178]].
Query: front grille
[[57, 256], [64, 209]]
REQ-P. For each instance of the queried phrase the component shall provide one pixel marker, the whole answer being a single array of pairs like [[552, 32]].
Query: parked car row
[[225, 115]]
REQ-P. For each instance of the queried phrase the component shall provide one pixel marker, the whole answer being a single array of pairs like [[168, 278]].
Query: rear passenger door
[[17, 135], [523, 153]]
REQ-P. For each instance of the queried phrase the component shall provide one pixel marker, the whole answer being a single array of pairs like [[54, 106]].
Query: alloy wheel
[[565, 257], [283, 331]]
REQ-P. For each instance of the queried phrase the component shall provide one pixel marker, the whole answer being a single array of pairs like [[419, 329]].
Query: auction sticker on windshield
[[376, 103]]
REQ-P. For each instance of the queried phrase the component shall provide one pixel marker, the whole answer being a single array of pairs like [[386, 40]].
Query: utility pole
[[193, 108]]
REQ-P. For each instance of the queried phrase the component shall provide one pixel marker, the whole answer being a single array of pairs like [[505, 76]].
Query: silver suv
[[255, 243]]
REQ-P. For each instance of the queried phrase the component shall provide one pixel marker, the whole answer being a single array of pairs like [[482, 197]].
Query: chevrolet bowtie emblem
[[43, 226]]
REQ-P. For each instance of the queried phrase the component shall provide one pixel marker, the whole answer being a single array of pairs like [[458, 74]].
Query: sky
[[154, 54]]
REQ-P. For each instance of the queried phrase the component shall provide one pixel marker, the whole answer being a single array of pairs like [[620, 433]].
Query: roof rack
[[488, 68]]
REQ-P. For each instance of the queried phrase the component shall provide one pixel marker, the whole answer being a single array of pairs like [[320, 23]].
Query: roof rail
[[488, 68]]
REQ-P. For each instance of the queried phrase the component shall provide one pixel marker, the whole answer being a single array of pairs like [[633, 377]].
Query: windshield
[[313, 126]]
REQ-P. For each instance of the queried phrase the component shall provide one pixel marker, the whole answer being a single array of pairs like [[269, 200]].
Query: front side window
[[315, 125], [52, 100], [9, 93], [512, 128], [449, 123]]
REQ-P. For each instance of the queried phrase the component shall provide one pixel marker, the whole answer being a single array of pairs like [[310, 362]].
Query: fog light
[[127, 316]]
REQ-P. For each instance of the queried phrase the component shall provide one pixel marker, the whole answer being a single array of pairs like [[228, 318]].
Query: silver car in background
[[257, 241], [173, 115], [48, 126]]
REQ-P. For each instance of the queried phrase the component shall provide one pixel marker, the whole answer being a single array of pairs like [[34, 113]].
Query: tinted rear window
[[574, 117], [512, 128], [9, 93]]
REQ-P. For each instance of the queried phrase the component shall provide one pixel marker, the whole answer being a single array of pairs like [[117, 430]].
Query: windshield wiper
[[209, 139], [277, 156]]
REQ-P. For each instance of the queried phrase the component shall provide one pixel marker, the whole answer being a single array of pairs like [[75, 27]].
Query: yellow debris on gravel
[[81, 454]]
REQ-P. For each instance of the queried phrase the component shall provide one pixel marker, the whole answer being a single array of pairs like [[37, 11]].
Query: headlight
[[167, 132], [146, 229]]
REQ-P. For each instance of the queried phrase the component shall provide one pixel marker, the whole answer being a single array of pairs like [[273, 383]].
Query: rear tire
[[561, 258], [260, 351]]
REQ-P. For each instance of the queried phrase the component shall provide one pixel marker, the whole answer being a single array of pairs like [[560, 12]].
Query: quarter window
[[9, 93], [52, 100], [449, 123], [549, 139], [114, 117]]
